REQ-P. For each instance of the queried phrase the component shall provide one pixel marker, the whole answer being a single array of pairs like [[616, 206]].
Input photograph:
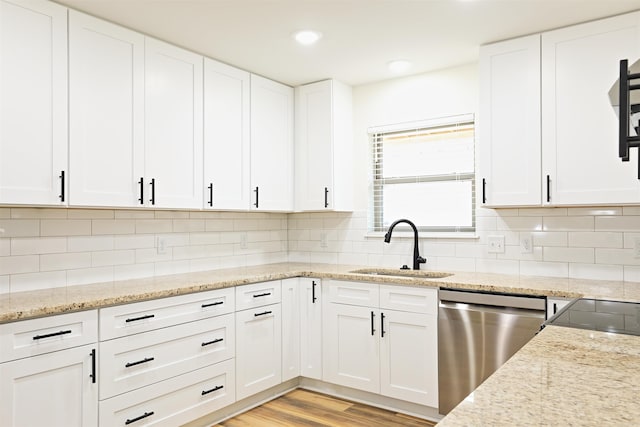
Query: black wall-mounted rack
[[626, 86]]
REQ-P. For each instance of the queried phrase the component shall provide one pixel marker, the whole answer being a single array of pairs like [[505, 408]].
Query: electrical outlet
[[636, 247], [323, 240], [243, 241], [526, 244], [496, 244], [161, 245]]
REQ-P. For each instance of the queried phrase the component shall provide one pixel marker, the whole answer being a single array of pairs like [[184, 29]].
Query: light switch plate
[[496, 244]]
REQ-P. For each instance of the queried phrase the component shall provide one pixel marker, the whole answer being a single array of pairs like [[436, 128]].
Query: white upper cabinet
[[106, 87], [324, 141], [271, 145], [33, 102], [173, 125], [579, 126], [226, 137], [509, 134]]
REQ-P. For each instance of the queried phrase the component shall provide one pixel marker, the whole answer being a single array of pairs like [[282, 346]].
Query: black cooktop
[[598, 315]]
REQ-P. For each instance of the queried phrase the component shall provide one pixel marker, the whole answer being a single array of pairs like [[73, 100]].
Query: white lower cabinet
[[391, 351], [311, 328], [48, 371], [290, 329]]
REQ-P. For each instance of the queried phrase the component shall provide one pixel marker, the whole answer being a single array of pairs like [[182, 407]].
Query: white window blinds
[[424, 171]]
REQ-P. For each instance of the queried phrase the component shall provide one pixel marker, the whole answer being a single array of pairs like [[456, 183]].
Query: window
[[424, 171]]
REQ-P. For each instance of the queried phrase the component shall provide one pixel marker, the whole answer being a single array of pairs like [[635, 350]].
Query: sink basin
[[402, 273]]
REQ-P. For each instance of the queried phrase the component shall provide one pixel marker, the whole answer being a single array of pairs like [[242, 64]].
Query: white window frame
[[378, 182]]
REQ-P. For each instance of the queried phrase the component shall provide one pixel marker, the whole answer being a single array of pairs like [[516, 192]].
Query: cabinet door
[[314, 147], [271, 145], [226, 136], [106, 104], [579, 127], [409, 357], [323, 147], [311, 328], [173, 125], [351, 347], [53, 389], [509, 144], [290, 329], [33, 104], [258, 349]]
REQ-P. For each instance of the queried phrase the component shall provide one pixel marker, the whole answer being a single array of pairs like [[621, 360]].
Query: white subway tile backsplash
[[631, 273], [588, 239], [64, 227], [542, 212], [618, 223], [455, 264], [90, 243], [5, 287], [573, 223], [38, 245], [631, 210], [133, 271], [19, 228], [151, 255], [90, 214], [171, 214], [538, 268], [134, 214], [514, 223], [500, 266], [106, 258], [5, 213], [85, 276], [550, 238], [583, 255], [134, 241], [246, 224], [67, 261], [19, 264], [171, 267], [5, 247], [595, 211], [204, 238], [38, 213], [147, 226], [596, 271], [35, 281], [188, 225], [616, 256], [219, 225]]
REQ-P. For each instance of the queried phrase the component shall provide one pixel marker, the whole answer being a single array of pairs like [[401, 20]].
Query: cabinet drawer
[[145, 316], [403, 298], [175, 401], [136, 361], [258, 294], [38, 336], [354, 293]]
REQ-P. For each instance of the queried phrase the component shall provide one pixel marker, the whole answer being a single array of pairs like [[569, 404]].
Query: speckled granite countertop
[[23, 305], [562, 377]]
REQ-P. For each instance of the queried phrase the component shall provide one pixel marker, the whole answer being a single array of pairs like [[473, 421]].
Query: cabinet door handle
[[220, 387], [210, 202], [261, 314], [548, 188], [313, 292], [141, 417], [555, 308], [262, 295], [153, 191], [61, 186], [93, 375], [257, 191], [373, 331], [484, 191], [139, 362], [204, 344], [212, 304], [326, 197], [134, 319], [53, 334], [141, 182], [382, 325]]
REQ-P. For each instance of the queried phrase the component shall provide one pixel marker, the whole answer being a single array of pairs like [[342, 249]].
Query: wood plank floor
[[310, 409]]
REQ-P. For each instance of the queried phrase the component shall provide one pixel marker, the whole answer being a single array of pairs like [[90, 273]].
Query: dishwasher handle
[[454, 305]]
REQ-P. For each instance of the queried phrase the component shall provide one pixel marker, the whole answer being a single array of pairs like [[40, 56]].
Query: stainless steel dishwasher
[[477, 333]]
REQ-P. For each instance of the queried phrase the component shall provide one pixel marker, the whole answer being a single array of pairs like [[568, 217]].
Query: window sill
[[421, 235]]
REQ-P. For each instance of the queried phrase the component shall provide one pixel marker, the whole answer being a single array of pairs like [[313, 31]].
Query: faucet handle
[[404, 267], [421, 260]]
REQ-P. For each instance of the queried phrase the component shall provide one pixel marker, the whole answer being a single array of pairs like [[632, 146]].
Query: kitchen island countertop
[[562, 377], [24, 305]]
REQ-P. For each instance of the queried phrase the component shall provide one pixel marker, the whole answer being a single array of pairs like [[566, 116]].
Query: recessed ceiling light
[[307, 37], [399, 65]]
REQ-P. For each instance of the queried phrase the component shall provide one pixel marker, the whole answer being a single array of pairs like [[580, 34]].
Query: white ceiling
[[359, 36]]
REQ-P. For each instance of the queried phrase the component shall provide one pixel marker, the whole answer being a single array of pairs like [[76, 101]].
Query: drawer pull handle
[[220, 387], [139, 362], [141, 417], [148, 316], [262, 295], [212, 304], [204, 344], [53, 334], [313, 292], [93, 375], [261, 314]]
